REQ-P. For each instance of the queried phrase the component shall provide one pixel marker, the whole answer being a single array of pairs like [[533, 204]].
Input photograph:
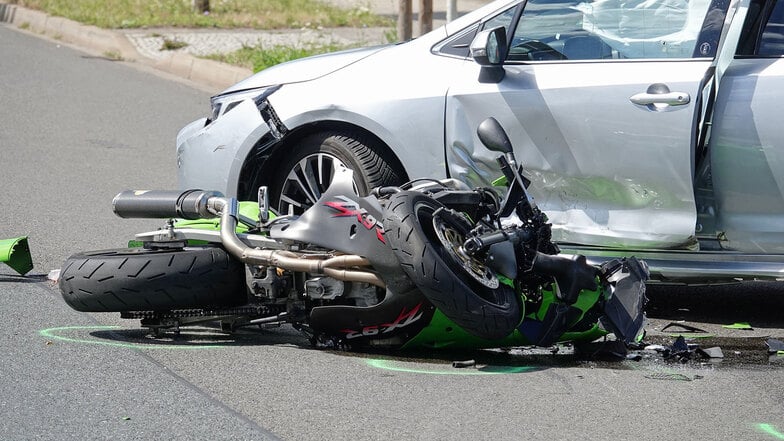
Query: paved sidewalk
[[145, 45]]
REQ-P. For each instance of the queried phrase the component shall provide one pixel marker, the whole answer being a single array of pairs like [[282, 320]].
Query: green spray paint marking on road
[[488, 370], [770, 429], [54, 334]]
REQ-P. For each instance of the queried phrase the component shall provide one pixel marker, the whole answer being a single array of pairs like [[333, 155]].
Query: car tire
[[139, 279], [306, 169], [484, 311]]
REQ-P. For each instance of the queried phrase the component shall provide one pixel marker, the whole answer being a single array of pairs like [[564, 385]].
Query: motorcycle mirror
[[493, 136]]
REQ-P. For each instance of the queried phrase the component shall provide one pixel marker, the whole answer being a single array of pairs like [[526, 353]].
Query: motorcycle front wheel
[[464, 289], [140, 279]]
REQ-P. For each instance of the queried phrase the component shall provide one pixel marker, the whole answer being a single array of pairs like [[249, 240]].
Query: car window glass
[[772, 40], [616, 29], [458, 45], [503, 19]]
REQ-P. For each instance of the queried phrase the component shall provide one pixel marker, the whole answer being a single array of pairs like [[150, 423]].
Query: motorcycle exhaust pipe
[[164, 204], [335, 267]]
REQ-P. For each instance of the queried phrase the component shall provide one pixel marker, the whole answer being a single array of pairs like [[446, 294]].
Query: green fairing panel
[[248, 209], [443, 333], [16, 254]]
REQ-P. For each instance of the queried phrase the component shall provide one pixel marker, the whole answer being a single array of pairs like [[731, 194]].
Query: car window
[[458, 45], [772, 40], [503, 19], [614, 29]]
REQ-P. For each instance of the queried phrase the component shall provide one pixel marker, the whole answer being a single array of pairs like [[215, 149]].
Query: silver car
[[647, 127]]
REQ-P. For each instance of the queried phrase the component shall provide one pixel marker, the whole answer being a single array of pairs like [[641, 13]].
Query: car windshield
[[607, 29]]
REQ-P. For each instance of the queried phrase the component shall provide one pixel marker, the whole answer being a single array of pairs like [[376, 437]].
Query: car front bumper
[[210, 156]]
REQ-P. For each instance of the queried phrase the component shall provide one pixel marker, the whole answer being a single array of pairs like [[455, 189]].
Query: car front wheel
[[307, 169]]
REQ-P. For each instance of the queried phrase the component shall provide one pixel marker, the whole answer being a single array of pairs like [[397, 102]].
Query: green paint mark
[[770, 429], [488, 370], [691, 335], [740, 325], [54, 334]]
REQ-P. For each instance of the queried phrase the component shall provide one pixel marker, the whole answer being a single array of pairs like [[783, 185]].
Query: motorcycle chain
[[255, 311]]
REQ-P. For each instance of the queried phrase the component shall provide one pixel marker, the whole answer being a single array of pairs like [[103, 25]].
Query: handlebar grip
[[189, 204]]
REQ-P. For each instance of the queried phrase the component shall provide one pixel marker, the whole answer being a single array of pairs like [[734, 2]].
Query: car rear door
[[602, 100]]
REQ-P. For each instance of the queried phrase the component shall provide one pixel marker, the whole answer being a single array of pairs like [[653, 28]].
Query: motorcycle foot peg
[[263, 205]]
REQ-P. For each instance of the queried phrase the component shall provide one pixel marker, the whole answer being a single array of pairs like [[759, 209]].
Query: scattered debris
[[53, 276], [687, 330], [604, 350], [740, 325], [683, 352], [16, 254], [464, 364], [714, 352], [775, 346]]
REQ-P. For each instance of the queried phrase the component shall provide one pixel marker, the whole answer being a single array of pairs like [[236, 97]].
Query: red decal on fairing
[[404, 319], [347, 208]]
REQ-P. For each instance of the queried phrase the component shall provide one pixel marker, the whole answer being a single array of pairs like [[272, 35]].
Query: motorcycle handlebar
[[480, 244], [189, 204]]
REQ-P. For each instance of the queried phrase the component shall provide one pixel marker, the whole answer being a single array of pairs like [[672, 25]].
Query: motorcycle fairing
[[392, 322], [16, 254], [342, 220]]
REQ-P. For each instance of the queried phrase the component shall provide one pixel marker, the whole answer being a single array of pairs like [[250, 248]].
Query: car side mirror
[[489, 47]]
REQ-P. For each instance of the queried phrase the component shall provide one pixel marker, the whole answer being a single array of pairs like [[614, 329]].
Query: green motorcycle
[[431, 263]]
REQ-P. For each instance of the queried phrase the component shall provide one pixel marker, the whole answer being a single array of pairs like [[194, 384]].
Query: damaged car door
[[605, 101]]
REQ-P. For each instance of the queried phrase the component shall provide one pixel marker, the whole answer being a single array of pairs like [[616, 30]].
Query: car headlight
[[222, 104]]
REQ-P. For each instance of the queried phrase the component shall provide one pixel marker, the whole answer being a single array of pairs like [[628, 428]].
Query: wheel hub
[[452, 240]]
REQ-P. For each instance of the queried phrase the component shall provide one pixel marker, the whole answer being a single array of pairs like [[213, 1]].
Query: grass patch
[[113, 55], [258, 58], [172, 45], [254, 14]]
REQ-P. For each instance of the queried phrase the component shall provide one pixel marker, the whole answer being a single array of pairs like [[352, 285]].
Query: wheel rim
[[306, 181], [451, 238]]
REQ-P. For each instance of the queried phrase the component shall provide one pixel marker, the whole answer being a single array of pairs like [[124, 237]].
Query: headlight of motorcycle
[[222, 104]]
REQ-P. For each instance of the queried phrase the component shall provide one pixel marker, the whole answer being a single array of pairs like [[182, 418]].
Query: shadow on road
[[759, 302]]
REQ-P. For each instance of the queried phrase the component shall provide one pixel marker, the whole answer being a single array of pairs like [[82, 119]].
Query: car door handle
[[669, 98]]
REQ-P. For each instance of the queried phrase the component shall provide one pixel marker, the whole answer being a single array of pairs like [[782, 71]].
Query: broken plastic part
[[625, 298], [714, 352], [463, 364], [16, 254], [775, 346]]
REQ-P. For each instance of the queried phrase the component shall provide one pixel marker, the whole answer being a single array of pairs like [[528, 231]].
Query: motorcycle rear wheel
[[460, 288], [139, 279]]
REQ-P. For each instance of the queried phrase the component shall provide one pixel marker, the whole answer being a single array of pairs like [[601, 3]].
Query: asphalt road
[[75, 129]]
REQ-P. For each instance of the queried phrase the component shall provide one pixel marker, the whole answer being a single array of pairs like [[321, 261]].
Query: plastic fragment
[[714, 352], [775, 346], [53, 276], [684, 326], [463, 364], [16, 254], [740, 325]]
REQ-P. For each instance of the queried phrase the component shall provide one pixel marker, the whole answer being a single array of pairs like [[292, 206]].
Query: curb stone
[[207, 73]]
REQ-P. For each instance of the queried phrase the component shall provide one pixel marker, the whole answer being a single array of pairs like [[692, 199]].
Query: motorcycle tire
[[139, 279], [487, 312]]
